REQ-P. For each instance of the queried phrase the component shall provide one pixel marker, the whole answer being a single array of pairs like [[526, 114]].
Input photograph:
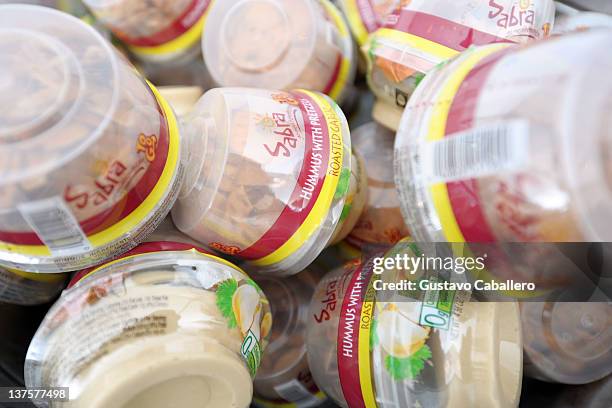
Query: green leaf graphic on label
[[225, 294], [374, 340], [345, 212], [343, 184], [418, 77], [409, 367]]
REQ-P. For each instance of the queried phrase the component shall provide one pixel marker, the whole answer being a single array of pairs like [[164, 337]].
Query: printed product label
[[390, 336], [56, 229], [342, 70], [180, 35], [459, 209], [294, 394], [299, 124], [457, 25], [23, 288], [366, 16], [112, 313]]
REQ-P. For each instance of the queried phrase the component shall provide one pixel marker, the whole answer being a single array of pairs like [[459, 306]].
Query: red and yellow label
[[182, 34], [162, 154], [457, 203], [363, 17], [316, 185], [340, 77], [354, 351]]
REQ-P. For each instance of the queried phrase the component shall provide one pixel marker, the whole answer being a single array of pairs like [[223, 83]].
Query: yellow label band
[[321, 207], [440, 51], [345, 64], [365, 364]]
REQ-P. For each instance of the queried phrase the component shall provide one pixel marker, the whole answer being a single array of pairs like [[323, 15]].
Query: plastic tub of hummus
[[26, 289], [277, 44], [166, 325], [381, 223], [511, 144], [161, 30], [276, 182], [284, 379], [90, 150], [429, 349], [567, 342], [421, 34]]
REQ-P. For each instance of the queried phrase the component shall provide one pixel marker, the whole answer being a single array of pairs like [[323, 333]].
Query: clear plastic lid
[[567, 342], [421, 34], [582, 22], [538, 115], [279, 45], [284, 376], [154, 329], [381, 222], [270, 176], [90, 151], [411, 348], [166, 30]]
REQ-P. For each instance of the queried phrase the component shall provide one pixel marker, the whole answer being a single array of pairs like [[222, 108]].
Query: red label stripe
[[463, 195], [181, 25], [440, 30], [298, 208]]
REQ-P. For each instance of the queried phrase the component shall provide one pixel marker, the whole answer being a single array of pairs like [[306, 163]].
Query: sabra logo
[[515, 17]]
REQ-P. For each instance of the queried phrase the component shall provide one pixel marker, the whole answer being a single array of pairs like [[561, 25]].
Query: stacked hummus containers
[[90, 150], [420, 34]]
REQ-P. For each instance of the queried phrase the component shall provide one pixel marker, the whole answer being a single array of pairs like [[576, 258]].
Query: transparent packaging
[[270, 180], [284, 376], [276, 44], [399, 350], [421, 34], [567, 342], [163, 30], [511, 144], [90, 150], [163, 326], [381, 222], [365, 17], [27, 289]]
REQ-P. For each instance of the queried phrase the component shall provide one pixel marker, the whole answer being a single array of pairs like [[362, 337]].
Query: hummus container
[[166, 325], [381, 223], [436, 349], [567, 342], [493, 149], [421, 34], [271, 179], [155, 30], [366, 16], [284, 379], [27, 289], [277, 44], [90, 150]]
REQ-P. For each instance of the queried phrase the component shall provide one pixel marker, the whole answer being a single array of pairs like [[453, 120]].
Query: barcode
[[294, 391], [477, 152], [56, 226]]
